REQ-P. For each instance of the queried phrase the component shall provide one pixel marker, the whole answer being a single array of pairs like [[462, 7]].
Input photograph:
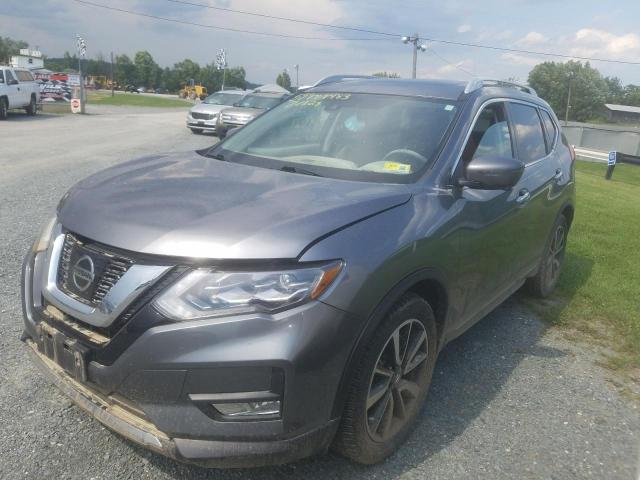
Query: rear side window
[[24, 76], [490, 135], [528, 130], [549, 129]]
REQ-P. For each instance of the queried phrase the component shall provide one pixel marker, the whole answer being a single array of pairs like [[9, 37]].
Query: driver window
[[490, 135]]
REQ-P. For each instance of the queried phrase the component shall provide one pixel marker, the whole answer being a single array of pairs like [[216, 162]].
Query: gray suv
[[289, 289]]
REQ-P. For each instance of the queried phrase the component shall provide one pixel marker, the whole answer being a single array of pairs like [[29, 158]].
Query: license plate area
[[64, 351]]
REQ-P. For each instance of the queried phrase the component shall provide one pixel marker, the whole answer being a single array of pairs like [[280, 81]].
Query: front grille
[[109, 268], [202, 116]]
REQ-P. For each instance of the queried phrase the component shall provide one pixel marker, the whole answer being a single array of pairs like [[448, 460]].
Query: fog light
[[248, 409]]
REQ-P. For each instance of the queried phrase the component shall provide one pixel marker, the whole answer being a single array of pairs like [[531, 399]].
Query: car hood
[[207, 108], [188, 205]]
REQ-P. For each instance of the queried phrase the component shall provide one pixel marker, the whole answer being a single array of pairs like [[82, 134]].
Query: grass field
[[134, 99], [599, 290]]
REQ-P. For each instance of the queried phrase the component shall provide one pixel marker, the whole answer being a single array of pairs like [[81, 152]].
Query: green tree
[[186, 70], [147, 70], [124, 71], [615, 90], [9, 47], [588, 89], [631, 95], [284, 80]]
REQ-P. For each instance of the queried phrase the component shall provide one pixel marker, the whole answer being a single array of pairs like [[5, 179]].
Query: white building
[[27, 58]]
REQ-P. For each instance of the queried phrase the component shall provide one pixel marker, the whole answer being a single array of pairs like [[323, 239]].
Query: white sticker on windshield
[[448, 108]]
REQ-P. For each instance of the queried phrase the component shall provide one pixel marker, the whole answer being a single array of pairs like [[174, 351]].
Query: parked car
[[18, 89], [204, 116], [246, 110], [289, 289], [131, 89]]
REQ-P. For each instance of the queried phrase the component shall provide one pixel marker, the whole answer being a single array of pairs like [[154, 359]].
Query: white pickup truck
[[18, 89]]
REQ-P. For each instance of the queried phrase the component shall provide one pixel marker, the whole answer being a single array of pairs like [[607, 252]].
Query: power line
[[341, 27], [216, 27], [397, 35], [430, 49], [286, 19]]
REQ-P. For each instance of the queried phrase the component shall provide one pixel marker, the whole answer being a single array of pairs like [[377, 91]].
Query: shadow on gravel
[[470, 372], [23, 117]]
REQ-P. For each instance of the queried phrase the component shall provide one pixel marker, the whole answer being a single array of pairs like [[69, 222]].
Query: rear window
[[529, 135], [549, 129], [24, 76]]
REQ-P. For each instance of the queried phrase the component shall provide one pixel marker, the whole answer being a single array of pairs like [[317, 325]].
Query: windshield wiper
[[292, 169]]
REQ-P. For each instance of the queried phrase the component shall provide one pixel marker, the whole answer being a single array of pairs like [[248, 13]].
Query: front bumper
[[156, 369], [209, 453], [204, 125]]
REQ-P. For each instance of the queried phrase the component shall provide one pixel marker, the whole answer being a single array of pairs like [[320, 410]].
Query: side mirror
[[492, 172]]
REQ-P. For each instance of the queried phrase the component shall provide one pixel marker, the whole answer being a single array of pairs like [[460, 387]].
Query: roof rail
[[477, 83], [340, 78]]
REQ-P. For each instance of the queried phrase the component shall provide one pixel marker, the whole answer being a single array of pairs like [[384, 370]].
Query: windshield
[[357, 136], [222, 98], [257, 101]]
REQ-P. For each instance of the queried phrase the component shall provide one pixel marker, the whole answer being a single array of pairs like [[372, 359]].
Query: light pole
[[297, 67], [566, 113], [415, 41]]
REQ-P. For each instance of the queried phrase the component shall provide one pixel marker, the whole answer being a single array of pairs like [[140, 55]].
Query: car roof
[[446, 89], [452, 90]]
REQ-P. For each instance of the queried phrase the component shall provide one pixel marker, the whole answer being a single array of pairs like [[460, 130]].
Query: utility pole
[[566, 113], [112, 85], [297, 78], [415, 42]]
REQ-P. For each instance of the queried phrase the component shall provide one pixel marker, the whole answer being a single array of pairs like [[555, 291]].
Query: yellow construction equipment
[[193, 92]]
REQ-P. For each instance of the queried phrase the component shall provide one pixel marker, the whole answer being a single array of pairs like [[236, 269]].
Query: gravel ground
[[510, 399]]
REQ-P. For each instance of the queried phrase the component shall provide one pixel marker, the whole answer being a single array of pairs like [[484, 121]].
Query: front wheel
[[32, 109], [390, 383], [4, 109], [546, 279]]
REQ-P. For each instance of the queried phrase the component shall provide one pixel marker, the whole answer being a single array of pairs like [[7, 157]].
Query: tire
[[4, 109], [197, 131], [544, 282], [385, 396], [32, 109]]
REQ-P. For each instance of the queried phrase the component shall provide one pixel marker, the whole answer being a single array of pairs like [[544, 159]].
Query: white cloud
[[464, 28], [514, 58], [594, 42], [532, 38]]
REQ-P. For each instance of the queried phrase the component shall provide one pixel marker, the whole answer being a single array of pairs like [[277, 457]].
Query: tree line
[[143, 71], [590, 90]]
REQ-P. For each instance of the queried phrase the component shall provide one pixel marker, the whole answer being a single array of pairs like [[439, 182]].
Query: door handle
[[558, 174], [523, 196]]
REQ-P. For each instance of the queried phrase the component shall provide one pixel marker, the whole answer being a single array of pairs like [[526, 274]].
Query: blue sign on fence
[[613, 156]]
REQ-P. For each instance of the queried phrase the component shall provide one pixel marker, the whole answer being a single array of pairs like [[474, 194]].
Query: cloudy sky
[[573, 27]]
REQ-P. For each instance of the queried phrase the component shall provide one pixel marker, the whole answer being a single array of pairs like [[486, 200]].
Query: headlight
[[42, 242], [207, 292]]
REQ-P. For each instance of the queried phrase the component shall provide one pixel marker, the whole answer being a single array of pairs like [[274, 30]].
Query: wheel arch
[[427, 283]]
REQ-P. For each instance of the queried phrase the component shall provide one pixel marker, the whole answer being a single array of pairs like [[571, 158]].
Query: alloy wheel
[[397, 380], [555, 255]]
